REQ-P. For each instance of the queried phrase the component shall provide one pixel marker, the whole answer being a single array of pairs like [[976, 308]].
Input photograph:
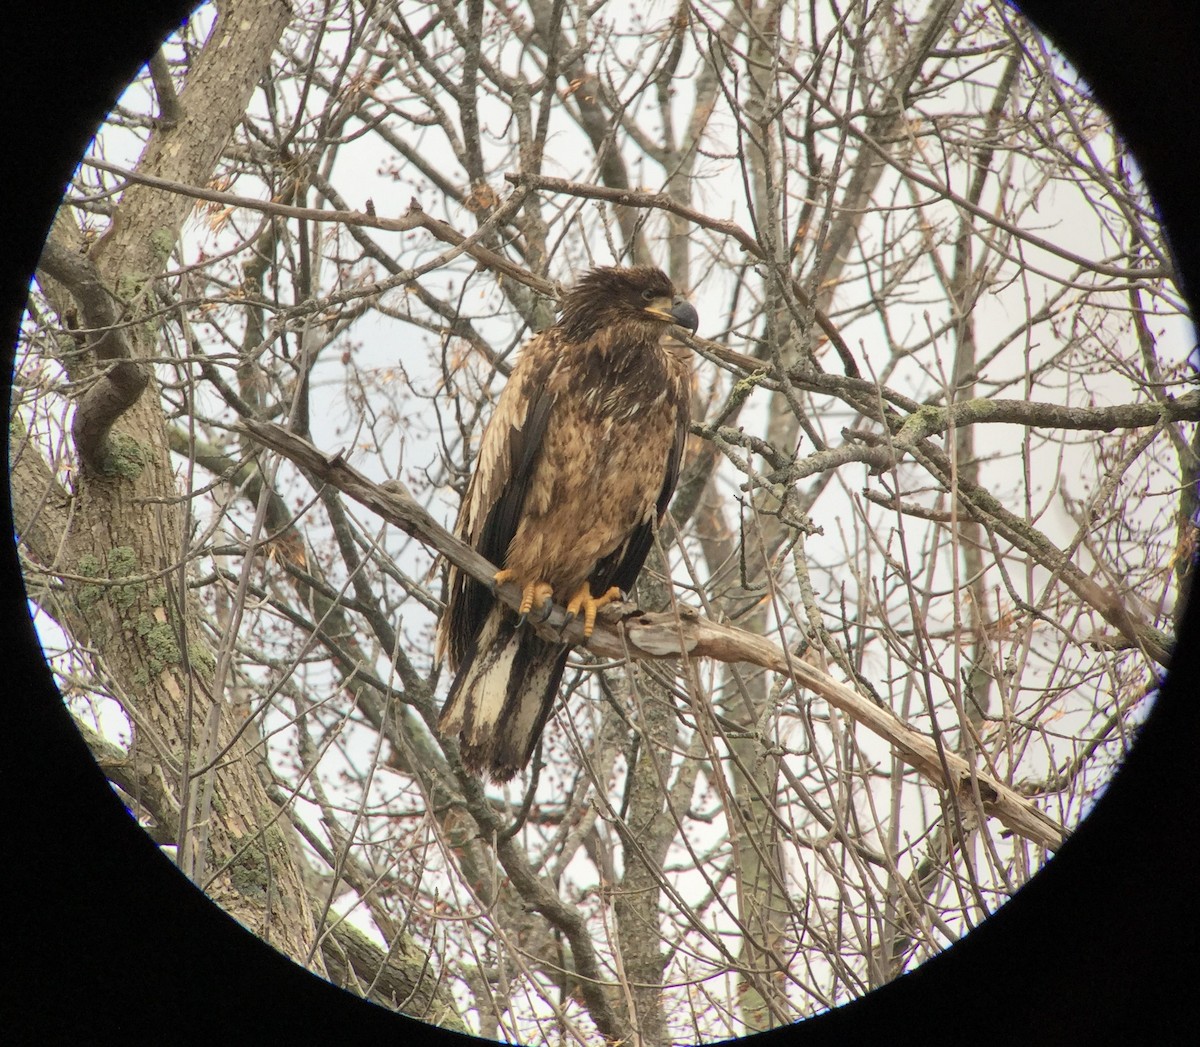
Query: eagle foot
[[533, 594], [590, 604]]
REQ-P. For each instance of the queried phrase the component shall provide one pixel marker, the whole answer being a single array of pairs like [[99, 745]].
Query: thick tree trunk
[[119, 539]]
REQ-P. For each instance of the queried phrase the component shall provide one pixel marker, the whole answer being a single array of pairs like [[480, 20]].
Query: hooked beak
[[684, 314], [680, 312]]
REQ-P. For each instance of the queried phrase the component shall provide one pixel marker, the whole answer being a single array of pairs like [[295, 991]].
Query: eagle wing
[[495, 497]]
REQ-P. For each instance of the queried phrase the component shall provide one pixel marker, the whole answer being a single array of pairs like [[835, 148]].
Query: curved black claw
[[549, 605], [570, 617]]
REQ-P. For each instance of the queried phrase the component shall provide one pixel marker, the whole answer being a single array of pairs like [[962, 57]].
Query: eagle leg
[[533, 594], [590, 605]]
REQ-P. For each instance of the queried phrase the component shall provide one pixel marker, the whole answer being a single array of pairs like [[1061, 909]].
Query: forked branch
[[624, 631]]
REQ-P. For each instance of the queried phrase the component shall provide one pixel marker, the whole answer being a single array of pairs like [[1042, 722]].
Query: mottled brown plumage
[[576, 468]]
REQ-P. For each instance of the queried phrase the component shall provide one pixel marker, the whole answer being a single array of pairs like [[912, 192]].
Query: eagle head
[[641, 296]]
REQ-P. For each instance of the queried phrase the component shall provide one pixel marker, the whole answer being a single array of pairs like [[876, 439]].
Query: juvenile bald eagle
[[575, 469]]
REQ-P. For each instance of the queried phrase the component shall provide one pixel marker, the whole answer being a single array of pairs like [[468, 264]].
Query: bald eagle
[[575, 470]]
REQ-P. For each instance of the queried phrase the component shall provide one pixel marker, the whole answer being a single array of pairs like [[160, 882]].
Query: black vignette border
[[109, 942]]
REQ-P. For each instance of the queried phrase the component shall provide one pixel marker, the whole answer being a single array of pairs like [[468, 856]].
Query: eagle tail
[[502, 695]]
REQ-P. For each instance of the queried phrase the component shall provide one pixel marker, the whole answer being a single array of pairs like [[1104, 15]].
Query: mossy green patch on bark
[[125, 457], [89, 595], [249, 872], [162, 648], [163, 242]]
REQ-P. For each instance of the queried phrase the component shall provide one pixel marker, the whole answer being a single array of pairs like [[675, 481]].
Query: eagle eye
[[648, 295]]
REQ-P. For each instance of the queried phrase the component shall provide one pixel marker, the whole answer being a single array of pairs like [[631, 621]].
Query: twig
[[664, 202], [413, 218], [623, 630]]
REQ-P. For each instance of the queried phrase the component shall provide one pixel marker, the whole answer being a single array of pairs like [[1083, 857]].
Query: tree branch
[[413, 218], [625, 631], [118, 387], [664, 202]]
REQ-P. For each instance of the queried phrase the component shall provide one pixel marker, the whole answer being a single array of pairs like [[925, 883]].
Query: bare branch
[[621, 631], [119, 385]]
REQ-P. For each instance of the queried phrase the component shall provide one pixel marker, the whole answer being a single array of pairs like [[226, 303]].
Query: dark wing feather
[[473, 600], [525, 445]]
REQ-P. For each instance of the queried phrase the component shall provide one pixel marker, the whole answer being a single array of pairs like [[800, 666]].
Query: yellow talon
[[590, 604], [533, 594]]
